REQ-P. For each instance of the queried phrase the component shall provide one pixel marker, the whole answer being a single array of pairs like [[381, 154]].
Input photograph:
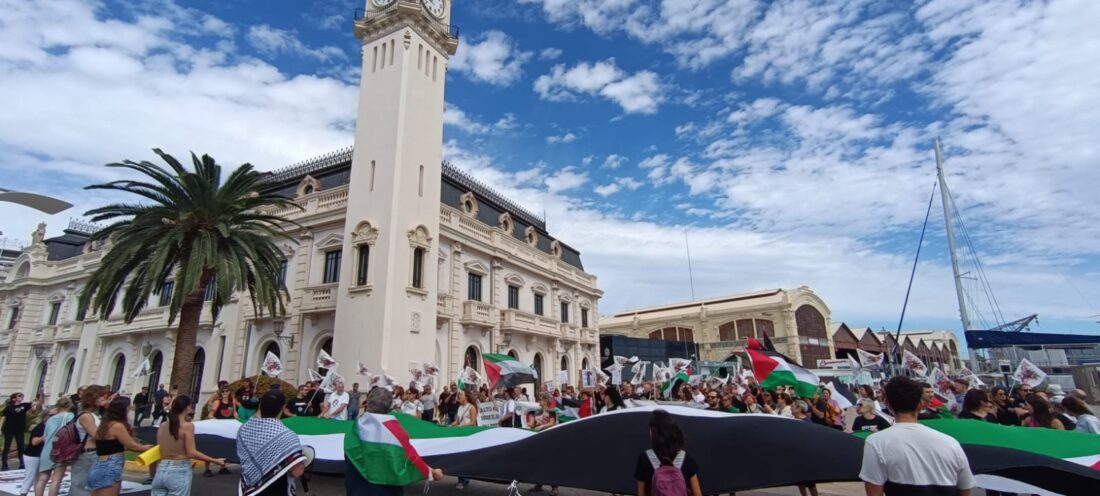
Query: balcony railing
[[477, 313], [319, 297], [520, 321], [443, 305]]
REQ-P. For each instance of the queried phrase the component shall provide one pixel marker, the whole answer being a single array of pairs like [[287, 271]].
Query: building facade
[[934, 348], [394, 259], [796, 321]]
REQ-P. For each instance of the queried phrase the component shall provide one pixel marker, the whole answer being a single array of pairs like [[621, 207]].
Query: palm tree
[[196, 231]]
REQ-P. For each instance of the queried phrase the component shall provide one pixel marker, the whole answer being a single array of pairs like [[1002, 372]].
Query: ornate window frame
[[514, 279], [467, 203], [504, 222], [531, 236], [419, 239], [365, 234], [307, 186], [555, 248]]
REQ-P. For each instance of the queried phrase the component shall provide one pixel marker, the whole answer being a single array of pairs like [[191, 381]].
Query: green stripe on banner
[[1049, 442], [417, 429]]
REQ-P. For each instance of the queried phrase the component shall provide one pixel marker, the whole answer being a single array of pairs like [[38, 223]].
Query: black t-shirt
[[862, 424], [928, 414], [15, 417], [970, 415], [643, 470], [1006, 416], [32, 449], [298, 406], [316, 401], [246, 397]]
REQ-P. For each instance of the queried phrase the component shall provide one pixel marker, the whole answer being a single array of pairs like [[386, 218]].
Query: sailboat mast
[[945, 195]]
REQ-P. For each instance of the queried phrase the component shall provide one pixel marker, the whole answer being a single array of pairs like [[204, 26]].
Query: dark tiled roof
[[334, 170], [67, 245]]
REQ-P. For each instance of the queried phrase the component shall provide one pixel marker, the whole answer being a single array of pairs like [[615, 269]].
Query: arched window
[[513, 354], [272, 348], [673, 334], [745, 329], [811, 324], [765, 327], [326, 346], [472, 358], [70, 368], [120, 369], [565, 367], [23, 270], [43, 368], [727, 331], [418, 267], [196, 374], [584, 363], [539, 373], [156, 364]]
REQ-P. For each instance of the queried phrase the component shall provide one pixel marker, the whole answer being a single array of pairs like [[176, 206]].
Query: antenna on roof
[[691, 277]]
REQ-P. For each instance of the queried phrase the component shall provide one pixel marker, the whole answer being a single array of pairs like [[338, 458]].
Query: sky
[[784, 143]]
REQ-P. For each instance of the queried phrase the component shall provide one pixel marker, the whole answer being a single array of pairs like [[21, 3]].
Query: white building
[[359, 271]]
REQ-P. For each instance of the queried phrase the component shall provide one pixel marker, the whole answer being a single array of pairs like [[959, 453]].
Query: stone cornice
[[374, 27]]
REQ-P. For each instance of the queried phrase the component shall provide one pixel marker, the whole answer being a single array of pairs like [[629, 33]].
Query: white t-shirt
[[412, 407], [914, 455], [336, 400]]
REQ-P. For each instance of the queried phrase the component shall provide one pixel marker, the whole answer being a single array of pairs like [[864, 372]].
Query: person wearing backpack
[[666, 469], [48, 469]]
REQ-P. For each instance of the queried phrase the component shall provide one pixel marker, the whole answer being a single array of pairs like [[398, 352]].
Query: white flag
[[971, 377], [272, 366], [430, 369], [143, 369], [1028, 373], [469, 377], [868, 360], [332, 378], [325, 361], [314, 376], [914, 363], [382, 381], [618, 363], [942, 384], [679, 364], [639, 372], [601, 377], [362, 369], [715, 382]]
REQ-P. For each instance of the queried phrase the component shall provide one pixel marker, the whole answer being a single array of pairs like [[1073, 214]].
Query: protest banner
[[588, 379], [488, 414]]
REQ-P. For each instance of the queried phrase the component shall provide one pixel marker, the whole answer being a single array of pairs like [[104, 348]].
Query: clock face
[[381, 3], [435, 7]]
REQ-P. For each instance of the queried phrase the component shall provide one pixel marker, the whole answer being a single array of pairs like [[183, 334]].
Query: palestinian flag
[[774, 371], [668, 388], [503, 370], [379, 448], [1015, 459]]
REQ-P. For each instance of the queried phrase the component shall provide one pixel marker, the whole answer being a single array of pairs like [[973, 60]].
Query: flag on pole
[[680, 364], [971, 377], [639, 372], [468, 377], [668, 388], [272, 366], [325, 361], [869, 360], [503, 370], [1028, 373], [773, 371], [143, 369], [914, 363], [362, 369]]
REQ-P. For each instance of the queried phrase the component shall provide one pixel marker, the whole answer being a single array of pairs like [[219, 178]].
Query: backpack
[[67, 445], [668, 480]]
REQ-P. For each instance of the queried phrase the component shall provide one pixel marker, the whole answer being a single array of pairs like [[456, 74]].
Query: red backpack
[[668, 480], [67, 444]]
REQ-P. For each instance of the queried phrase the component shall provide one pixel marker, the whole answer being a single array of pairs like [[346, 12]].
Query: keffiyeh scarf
[[267, 450]]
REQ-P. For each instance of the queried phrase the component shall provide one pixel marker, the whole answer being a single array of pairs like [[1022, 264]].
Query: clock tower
[[386, 301]]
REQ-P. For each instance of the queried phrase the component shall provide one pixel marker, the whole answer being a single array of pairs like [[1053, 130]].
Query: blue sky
[[791, 140]]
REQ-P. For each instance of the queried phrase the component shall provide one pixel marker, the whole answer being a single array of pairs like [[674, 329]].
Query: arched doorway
[[272, 348], [584, 363], [196, 375], [539, 373], [326, 346], [565, 368], [40, 386], [513, 354], [156, 364], [472, 358], [70, 368], [120, 370]]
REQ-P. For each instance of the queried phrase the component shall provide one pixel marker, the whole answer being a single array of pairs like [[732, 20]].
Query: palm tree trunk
[[183, 362]]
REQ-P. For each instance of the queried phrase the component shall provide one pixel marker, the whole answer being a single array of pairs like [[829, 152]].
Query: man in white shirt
[[910, 458], [336, 405]]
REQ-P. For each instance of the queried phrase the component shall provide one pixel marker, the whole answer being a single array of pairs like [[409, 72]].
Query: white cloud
[[567, 179], [587, 160], [619, 184], [457, 118], [614, 161], [563, 138], [759, 109], [492, 58], [550, 53], [273, 41], [636, 93]]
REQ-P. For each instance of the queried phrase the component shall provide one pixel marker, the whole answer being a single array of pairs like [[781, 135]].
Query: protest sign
[[563, 377], [488, 414], [588, 379], [617, 377]]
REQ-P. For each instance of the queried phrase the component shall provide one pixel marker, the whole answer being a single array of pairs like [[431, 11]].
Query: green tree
[[196, 230]]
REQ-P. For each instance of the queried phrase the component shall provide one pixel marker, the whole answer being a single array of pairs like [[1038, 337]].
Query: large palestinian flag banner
[[735, 452], [505, 371]]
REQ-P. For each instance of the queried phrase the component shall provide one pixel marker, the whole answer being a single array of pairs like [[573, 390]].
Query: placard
[[588, 379], [488, 414], [563, 377], [617, 377]]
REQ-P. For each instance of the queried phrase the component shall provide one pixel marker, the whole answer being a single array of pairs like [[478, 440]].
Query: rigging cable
[[912, 275], [982, 278]]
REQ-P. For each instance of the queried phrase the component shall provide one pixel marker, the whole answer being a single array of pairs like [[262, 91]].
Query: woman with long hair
[[112, 438], [1040, 414], [977, 406], [612, 400], [221, 406], [177, 448], [667, 449], [87, 422], [466, 416], [47, 470]]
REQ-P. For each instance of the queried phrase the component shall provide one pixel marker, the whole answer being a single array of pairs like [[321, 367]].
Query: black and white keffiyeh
[[267, 450]]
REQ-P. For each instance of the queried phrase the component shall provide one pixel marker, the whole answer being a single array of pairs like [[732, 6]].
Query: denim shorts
[[105, 472], [173, 478]]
